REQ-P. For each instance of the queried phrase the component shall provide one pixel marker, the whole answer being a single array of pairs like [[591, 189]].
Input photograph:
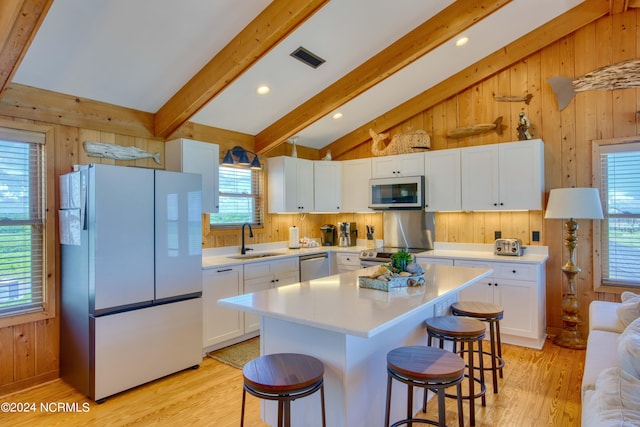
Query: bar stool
[[429, 368], [492, 314], [283, 377], [462, 330]]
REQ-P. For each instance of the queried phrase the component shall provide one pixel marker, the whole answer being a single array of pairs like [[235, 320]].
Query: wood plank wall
[[567, 136], [29, 352]]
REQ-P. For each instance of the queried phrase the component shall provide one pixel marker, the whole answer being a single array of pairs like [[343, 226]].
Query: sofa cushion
[[629, 310], [629, 349], [600, 354], [628, 295], [603, 316], [615, 401]]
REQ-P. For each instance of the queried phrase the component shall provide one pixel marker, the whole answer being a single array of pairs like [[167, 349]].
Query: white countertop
[[336, 303], [224, 257]]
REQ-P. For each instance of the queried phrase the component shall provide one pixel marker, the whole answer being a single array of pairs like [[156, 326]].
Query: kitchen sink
[[253, 256]]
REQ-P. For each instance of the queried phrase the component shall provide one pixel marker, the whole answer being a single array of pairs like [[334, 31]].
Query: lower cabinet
[[347, 262], [221, 324], [519, 289], [264, 275]]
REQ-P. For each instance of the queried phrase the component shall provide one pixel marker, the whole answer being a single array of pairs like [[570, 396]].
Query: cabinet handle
[[277, 280], [222, 271], [495, 284], [513, 271], [489, 284]]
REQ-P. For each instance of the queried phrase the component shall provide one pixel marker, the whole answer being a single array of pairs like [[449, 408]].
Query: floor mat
[[238, 354]]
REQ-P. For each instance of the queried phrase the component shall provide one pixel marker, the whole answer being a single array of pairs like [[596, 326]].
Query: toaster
[[511, 247]]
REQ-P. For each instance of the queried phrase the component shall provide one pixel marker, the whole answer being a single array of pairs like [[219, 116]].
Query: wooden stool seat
[[491, 313], [283, 377], [456, 326], [429, 368], [477, 309], [461, 330]]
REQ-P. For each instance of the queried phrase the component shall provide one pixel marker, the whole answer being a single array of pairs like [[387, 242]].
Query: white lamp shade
[[576, 203]]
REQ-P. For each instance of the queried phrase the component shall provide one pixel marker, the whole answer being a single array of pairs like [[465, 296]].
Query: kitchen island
[[350, 329]]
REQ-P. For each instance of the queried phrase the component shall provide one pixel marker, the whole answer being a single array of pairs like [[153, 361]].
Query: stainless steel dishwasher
[[314, 266]]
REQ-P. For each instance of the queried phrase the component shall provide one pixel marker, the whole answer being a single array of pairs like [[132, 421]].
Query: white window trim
[[50, 229], [598, 286]]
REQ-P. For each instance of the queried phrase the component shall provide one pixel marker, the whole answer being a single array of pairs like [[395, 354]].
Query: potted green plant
[[400, 260]]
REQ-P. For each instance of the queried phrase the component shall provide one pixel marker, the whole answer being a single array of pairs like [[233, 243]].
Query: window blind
[[620, 191], [21, 221], [240, 198]]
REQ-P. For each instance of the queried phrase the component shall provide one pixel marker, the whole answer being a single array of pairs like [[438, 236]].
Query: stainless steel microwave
[[406, 192]]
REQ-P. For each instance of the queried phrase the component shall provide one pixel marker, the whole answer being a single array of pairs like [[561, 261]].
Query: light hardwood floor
[[539, 388]]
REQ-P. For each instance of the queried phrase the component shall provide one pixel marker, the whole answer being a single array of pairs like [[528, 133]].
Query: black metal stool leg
[[492, 335], [244, 396], [499, 346], [386, 414]]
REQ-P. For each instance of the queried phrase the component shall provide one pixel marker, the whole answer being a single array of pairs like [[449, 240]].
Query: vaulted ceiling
[[200, 61]]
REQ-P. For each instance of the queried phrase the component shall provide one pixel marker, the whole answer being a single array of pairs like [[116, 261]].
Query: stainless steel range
[[370, 257], [411, 230]]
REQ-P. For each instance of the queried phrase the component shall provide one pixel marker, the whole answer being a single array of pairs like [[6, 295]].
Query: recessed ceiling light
[[263, 90], [337, 116], [462, 41]]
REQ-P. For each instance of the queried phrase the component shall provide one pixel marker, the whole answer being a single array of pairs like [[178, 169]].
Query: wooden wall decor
[[476, 129], [623, 75], [514, 98], [401, 143]]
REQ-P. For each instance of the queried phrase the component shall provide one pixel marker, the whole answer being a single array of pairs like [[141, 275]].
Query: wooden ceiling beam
[[19, 23], [634, 3], [278, 20], [426, 37], [563, 25]]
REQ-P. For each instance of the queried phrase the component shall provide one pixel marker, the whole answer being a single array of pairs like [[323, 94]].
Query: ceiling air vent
[[311, 59]]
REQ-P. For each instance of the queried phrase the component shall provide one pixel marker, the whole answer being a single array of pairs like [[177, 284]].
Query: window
[[619, 181], [22, 222], [240, 198]]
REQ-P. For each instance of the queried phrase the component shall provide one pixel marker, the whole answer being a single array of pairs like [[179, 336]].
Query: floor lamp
[[572, 204]]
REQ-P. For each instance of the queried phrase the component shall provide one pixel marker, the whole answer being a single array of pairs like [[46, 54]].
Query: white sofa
[[611, 379]]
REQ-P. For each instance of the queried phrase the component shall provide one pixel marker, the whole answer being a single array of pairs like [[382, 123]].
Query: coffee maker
[[348, 234], [328, 235]]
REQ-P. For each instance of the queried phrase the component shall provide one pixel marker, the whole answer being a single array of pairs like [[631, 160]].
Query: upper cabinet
[[327, 188], [508, 176], [290, 184], [400, 165], [186, 155], [355, 185], [442, 176]]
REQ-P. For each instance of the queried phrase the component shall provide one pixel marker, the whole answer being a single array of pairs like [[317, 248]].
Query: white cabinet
[[519, 289], [290, 184], [355, 185], [220, 324], [186, 155], [347, 262], [399, 165], [442, 175], [506, 176], [260, 276], [327, 186]]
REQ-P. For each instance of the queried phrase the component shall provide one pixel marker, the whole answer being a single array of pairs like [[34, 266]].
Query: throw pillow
[[615, 402], [629, 309], [628, 295], [629, 349]]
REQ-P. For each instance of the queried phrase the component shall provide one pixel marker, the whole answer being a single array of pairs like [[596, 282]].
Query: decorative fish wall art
[[477, 129], [514, 98], [623, 75], [117, 152], [401, 143]]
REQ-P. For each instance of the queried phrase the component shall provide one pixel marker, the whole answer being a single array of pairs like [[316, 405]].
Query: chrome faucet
[[244, 250]]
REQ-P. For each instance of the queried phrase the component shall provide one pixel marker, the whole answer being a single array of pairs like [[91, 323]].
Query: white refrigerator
[[131, 308]]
